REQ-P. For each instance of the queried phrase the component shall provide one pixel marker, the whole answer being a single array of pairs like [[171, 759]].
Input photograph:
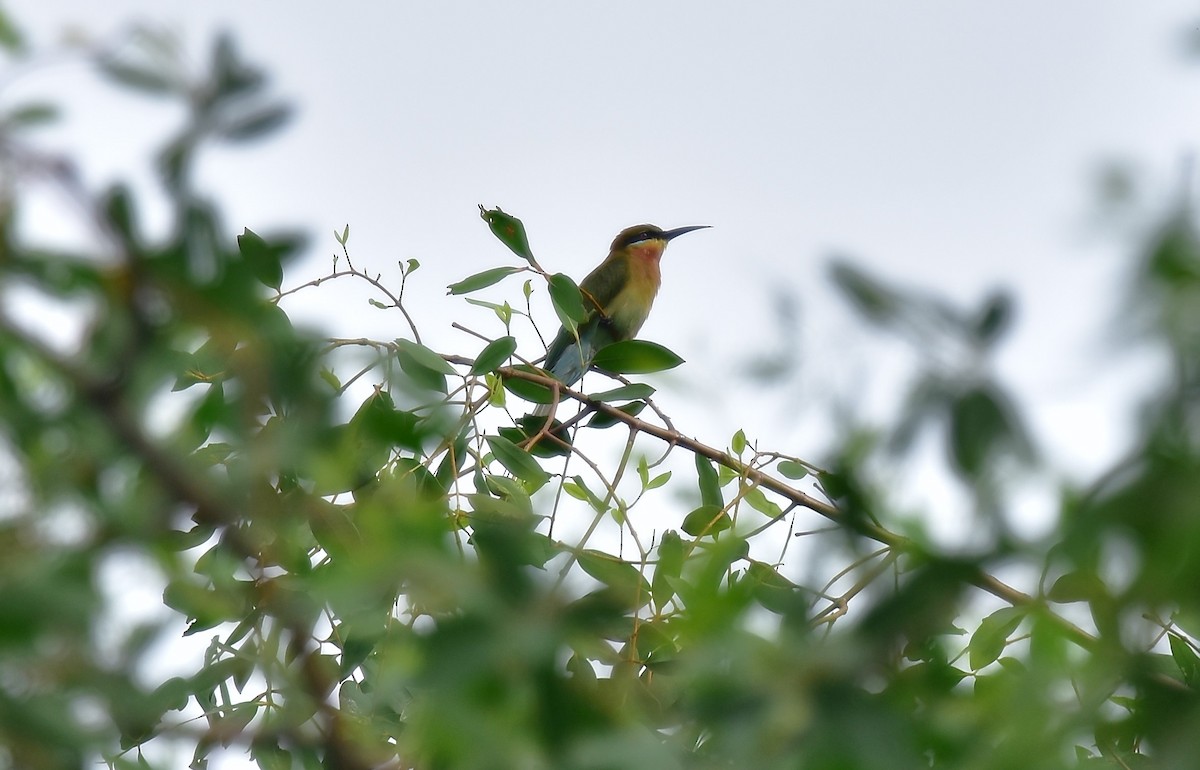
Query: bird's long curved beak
[[669, 234]]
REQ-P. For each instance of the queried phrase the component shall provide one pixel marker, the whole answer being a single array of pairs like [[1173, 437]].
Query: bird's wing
[[602, 285]]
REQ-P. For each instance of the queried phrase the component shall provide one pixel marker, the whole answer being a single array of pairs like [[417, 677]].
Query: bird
[[617, 297]]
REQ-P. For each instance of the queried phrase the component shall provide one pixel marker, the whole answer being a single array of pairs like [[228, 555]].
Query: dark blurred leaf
[[877, 302], [981, 429], [994, 318], [10, 37], [262, 259], [1078, 586], [138, 76], [254, 125], [494, 354], [481, 280], [635, 357], [28, 115], [509, 230]]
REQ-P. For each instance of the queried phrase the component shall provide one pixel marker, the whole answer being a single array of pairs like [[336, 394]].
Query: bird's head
[[648, 241]]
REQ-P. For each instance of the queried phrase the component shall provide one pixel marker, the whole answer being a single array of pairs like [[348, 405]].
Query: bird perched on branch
[[617, 296]]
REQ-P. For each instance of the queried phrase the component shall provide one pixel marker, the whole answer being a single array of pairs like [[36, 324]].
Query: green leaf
[[10, 36], [706, 520], [329, 377], [262, 259], [990, 639], [994, 318], [580, 491], [620, 575], [604, 420], [255, 124], [772, 590], [343, 236], [759, 501], [792, 469], [481, 280], [29, 115], [425, 367], [710, 487], [567, 299], [151, 81], [738, 443], [519, 462], [635, 357], [1186, 658], [624, 393], [494, 355], [669, 567], [876, 302], [509, 230], [379, 420], [658, 480], [530, 391]]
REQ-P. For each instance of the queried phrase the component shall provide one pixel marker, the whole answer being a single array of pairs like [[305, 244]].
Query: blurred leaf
[[509, 230], [255, 124], [635, 357], [481, 280], [494, 354], [982, 427], [138, 76], [263, 260], [28, 115], [738, 442], [1078, 586], [994, 318], [10, 37], [621, 576], [877, 302]]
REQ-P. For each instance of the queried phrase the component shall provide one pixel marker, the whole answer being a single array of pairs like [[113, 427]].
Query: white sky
[[944, 144], [948, 144]]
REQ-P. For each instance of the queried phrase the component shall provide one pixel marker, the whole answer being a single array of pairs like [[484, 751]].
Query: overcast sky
[[947, 144]]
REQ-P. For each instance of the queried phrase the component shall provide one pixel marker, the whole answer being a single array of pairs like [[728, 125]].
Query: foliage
[[388, 563]]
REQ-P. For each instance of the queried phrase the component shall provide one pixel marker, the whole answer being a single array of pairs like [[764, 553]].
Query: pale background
[[946, 144]]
